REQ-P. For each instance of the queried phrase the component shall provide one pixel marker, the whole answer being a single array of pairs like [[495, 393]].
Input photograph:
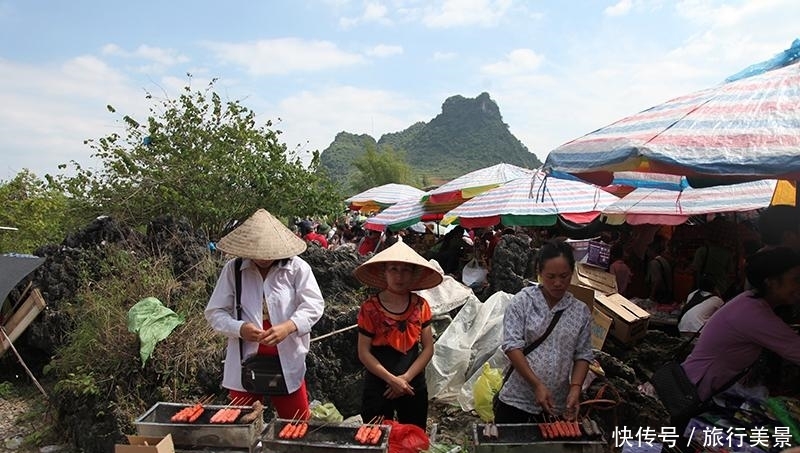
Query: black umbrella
[[13, 268]]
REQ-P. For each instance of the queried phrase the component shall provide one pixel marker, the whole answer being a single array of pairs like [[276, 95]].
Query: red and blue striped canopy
[[380, 197], [744, 130], [406, 213], [535, 200], [467, 186], [670, 207]]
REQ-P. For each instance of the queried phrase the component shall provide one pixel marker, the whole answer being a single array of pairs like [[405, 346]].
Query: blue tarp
[[780, 60]]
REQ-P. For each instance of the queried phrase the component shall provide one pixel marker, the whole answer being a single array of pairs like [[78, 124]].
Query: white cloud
[[284, 56], [311, 119], [465, 13], [165, 57], [518, 61], [443, 56], [384, 50], [160, 56], [373, 13], [48, 111], [156, 60], [621, 8], [737, 35], [550, 106]]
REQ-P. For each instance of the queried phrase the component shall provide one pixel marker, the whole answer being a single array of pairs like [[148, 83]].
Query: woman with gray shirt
[[548, 379]]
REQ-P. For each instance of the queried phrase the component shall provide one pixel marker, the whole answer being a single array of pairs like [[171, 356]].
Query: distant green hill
[[469, 134]]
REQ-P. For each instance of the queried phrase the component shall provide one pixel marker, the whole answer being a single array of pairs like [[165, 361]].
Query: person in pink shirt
[[735, 335], [620, 269]]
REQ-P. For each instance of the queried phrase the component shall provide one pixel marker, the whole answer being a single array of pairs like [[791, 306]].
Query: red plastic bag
[[405, 438]]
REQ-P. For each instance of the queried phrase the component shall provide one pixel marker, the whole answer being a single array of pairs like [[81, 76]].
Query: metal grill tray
[[527, 437], [321, 438], [202, 433]]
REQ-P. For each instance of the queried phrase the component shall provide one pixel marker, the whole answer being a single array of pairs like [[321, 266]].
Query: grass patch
[[101, 383], [6, 389]]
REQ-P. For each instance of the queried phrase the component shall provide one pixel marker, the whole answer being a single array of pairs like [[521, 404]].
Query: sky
[[557, 69]]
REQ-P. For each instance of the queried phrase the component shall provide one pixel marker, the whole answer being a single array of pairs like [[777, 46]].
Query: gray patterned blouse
[[525, 320]]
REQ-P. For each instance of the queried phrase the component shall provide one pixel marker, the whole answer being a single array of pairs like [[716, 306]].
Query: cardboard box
[[629, 320], [599, 254], [584, 294], [143, 444], [600, 322], [600, 327], [594, 278]]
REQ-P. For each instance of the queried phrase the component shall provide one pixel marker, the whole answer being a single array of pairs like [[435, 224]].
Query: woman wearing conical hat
[[280, 302], [395, 339]]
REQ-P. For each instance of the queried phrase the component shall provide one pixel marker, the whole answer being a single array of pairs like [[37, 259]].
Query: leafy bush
[[101, 385]]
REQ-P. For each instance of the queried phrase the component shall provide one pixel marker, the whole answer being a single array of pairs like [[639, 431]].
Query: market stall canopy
[[535, 200], [471, 184], [381, 197], [669, 207], [745, 130], [408, 212]]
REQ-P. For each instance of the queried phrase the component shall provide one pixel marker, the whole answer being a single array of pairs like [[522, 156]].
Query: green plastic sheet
[[153, 322]]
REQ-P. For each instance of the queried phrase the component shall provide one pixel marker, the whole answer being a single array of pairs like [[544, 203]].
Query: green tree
[[40, 213], [202, 158], [378, 167]]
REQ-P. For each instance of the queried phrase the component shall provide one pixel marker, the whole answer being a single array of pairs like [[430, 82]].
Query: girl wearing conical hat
[[280, 302], [395, 339]]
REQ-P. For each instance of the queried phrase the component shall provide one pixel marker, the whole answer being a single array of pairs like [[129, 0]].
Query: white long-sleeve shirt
[[696, 317], [290, 291]]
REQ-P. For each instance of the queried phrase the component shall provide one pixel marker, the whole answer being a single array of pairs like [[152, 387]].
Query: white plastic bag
[[473, 273]]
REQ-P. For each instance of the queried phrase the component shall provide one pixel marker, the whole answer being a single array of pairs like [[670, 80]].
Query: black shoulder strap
[[537, 342], [237, 273]]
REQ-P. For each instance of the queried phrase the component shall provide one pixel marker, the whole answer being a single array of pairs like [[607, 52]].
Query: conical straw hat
[[262, 237], [372, 272]]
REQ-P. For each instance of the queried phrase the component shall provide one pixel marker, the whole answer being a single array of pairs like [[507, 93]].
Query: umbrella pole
[[797, 194]]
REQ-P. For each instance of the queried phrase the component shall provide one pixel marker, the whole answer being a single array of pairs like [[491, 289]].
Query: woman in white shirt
[[280, 302]]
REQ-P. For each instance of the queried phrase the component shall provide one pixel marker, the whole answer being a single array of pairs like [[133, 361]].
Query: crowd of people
[[452, 248], [267, 300]]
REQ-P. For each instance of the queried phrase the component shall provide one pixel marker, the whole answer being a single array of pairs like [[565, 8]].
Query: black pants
[[505, 413], [408, 409]]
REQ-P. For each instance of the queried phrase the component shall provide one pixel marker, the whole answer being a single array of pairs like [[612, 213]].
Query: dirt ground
[[15, 427]]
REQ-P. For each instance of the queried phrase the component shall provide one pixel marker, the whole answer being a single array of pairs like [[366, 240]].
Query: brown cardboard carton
[[600, 322], [629, 320], [584, 294], [595, 278], [600, 326], [143, 444]]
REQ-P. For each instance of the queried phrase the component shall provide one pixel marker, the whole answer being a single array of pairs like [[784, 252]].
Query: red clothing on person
[[400, 331], [492, 244], [368, 245], [318, 238], [293, 406]]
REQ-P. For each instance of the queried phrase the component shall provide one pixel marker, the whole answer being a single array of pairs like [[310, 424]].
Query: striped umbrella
[[467, 186], [380, 197], [408, 212], [669, 207], [744, 130], [535, 200]]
